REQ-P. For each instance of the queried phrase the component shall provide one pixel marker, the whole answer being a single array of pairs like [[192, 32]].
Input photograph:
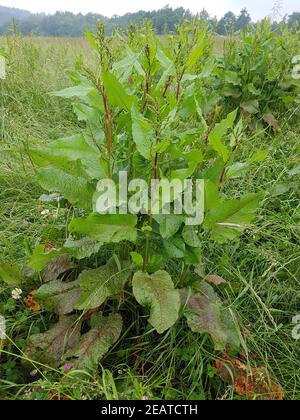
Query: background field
[[264, 266]]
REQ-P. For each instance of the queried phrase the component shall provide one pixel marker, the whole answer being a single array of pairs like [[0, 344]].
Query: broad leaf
[[205, 313], [57, 266], [169, 225], [230, 219], [77, 190], [142, 133], [41, 257], [107, 228], [11, 275], [217, 134], [48, 348], [196, 53], [116, 93], [95, 344], [158, 292], [59, 297], [191, 237], [104, 282], [175, 247], [81, 91], [73, 148], [83, 248]]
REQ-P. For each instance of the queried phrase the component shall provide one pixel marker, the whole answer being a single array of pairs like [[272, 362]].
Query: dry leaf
[[31, 303], [215, 280], [253, 383], [271, 121], [57, 266]]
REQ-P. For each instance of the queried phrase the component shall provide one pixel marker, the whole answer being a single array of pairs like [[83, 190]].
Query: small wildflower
[[145, 398], [68, 367], [45, 213], [16, 294], [33, 373]]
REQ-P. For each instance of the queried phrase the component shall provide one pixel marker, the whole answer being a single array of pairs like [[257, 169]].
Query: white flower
[[45, 213], [16, 294]]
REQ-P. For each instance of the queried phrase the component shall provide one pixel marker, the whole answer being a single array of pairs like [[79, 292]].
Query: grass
[[262, 271]]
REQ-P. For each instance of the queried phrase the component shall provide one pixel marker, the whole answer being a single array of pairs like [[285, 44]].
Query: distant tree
[[294, 19], [227, 22], [243, 20]]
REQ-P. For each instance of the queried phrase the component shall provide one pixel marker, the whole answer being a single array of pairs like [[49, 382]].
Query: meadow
[[237, 103]]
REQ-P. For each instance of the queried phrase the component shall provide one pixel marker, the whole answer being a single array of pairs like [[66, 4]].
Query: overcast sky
[[257, 8]]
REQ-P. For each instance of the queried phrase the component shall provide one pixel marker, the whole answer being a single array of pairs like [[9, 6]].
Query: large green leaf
[[44, 158], [104, 282], [169, 224], [231, 217], [175, 247], [10, 274], [142, 133], [196, 52], [217, 134], [95, 344], [158, 292], [41, 257], [82, 248], [59, 297], [116, 93], [191, 237], [81, 91], [60, 152], [205, 313], [107, 228], [77, 190], [48, 348]]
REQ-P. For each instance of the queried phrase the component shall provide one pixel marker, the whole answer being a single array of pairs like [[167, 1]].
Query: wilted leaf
[[205, 313], [48, 348], [215, 280], [251, 107], [31, 303], [271, 121], [57, 266], [95, 344], [158, 292], [253, 383], [60, 297], [104, 282]]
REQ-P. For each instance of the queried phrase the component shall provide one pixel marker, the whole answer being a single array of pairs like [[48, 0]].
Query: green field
[[261, 265]]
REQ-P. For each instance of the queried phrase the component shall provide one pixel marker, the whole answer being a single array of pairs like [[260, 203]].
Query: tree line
[[164, 20]]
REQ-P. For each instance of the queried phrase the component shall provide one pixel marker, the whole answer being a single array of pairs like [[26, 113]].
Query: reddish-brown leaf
[[57, 266], [215, 280], [253, 383], [31, 304]]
